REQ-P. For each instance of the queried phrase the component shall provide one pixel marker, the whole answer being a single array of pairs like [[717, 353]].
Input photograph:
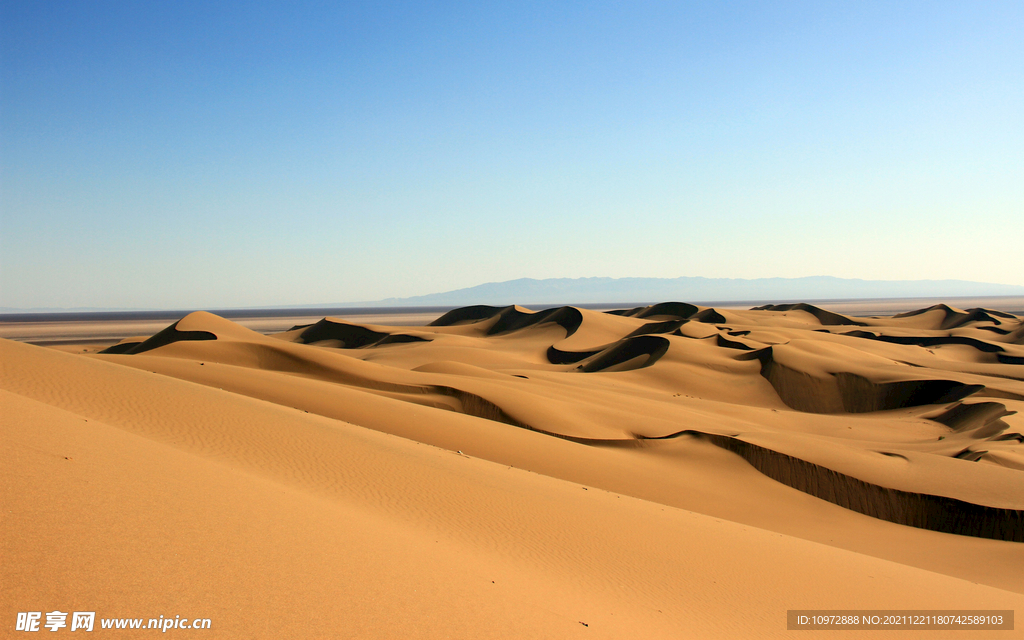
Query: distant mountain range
[[526, 291], [598, 291]]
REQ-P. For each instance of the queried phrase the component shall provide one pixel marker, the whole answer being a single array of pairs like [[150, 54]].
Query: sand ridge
[[583, 456]]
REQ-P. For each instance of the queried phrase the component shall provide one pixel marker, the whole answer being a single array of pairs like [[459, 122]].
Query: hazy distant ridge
[[529, 291], [695, 289]]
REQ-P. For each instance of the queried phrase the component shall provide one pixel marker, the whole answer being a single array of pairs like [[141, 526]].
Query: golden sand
[[661, 472]]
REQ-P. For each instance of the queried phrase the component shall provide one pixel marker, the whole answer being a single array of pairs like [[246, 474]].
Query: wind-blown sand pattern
[[667, 471]]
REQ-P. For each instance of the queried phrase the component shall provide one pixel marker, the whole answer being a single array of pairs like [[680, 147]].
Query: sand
[[670, 471]]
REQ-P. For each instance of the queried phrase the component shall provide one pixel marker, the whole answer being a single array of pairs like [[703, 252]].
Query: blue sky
[[208, 155]]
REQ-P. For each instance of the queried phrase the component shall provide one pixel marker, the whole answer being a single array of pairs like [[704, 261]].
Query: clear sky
[[217, 154]]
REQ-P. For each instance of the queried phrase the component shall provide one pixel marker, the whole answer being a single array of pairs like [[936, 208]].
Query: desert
[[669, 470], [511, 320]]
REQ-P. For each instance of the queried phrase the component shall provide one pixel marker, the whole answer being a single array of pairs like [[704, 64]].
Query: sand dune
[[666, 471], [821, 315]]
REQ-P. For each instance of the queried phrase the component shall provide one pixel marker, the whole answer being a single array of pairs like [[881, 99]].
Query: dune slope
[[470, 478]]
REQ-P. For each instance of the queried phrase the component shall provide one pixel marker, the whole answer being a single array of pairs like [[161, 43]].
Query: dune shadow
[[924, 511], [646, 350], [823, 316], [845, 392], [929, 341], [162, 338], [509, 319], [351, 336], [952, 318]]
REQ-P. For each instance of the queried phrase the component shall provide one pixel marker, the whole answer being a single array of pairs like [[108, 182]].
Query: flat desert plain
[[668, 471]]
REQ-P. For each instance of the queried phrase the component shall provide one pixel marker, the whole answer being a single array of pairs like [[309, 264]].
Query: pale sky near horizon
[[210, 155]]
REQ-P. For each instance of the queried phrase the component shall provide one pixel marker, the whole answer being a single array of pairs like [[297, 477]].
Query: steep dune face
[[846, 391], [337, 333], [819, 314], [941, 316], [889, 445], [803, 368]]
